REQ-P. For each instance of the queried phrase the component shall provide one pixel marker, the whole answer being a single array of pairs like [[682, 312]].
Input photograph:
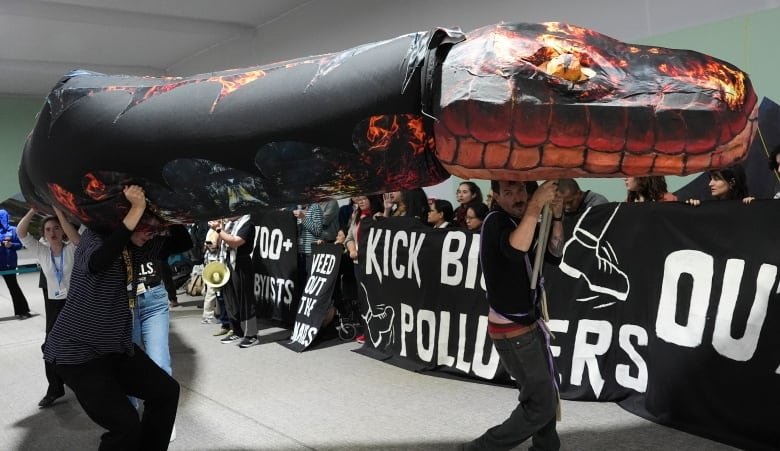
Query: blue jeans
[[151, 325]]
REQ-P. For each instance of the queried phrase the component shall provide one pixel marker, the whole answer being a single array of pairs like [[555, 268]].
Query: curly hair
[[650, 189]]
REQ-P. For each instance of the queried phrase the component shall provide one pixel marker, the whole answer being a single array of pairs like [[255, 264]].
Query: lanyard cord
[[58, 271], [126, 256]]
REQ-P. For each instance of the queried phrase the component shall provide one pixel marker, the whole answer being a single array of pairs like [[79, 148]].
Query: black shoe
[[24, 316], [230, 338], [248, 342], [48, 400]]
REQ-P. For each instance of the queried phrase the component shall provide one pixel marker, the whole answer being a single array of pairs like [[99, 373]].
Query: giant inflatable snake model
[[507, 101]]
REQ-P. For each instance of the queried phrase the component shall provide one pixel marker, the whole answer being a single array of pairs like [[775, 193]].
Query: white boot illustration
[[604, 277], [379, 321]]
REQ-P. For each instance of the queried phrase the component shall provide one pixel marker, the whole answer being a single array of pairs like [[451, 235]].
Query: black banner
[[275, 261], [425, 296], [668, 309], [317, 296]]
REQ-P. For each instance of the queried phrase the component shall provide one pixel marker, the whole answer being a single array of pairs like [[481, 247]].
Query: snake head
[[550, 100]]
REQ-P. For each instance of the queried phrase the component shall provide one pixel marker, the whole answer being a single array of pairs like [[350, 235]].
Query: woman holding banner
[[366, 207], [727, 184]]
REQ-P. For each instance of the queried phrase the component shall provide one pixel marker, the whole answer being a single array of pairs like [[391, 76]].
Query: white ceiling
[[40, 40]]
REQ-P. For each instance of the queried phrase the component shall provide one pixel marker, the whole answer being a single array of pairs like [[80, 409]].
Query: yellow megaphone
[[216, 274]]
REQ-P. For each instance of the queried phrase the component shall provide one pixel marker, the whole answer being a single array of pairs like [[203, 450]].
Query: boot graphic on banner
[[379, 322], [591, 257]]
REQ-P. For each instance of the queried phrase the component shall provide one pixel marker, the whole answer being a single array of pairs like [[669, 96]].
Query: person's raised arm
[[73, 235], [556, 241], [232, 240], [312, 221], [137, 198], [112, 247], [24, 224], [523, 236]]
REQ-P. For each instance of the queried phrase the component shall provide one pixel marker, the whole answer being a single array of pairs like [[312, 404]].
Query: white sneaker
[[173, 433]]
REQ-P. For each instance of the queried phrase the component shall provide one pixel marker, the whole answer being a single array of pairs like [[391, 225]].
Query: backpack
[[195, 286]]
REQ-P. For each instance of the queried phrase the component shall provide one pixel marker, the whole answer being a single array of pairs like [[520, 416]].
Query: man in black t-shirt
[[238, 235]]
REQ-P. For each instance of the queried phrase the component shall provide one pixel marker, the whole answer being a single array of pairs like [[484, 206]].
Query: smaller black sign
[[275, 261], [317, 297]]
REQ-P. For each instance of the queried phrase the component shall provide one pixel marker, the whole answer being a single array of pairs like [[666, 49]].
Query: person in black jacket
[[515, 322]]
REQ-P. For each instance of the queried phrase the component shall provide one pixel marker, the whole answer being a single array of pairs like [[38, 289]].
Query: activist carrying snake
[[509, 101]]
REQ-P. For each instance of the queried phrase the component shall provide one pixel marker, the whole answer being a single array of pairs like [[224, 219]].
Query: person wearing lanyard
[[150, 243], [56, 259]]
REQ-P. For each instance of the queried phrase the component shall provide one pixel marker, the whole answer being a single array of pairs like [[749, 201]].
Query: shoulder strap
[[128, 260]]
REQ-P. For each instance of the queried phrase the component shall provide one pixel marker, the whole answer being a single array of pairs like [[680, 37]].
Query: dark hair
[[773, 158], [737, 180], [416, 202], [375, 203], [445, 208], [474, 190], [568, 186], [530, 187], [480, 209], [651, 188]]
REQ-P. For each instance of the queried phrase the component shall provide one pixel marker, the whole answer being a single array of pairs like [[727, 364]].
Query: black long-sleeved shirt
[[506, 274]]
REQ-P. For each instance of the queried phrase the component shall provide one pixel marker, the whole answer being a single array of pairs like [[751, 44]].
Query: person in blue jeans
[[151, 243]]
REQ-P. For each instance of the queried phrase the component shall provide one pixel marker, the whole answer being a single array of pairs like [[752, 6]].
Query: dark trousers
[[304, 267], [20, 302], [223, 314], [53, 309], [526, 359], [240, 298], [102, 386]]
